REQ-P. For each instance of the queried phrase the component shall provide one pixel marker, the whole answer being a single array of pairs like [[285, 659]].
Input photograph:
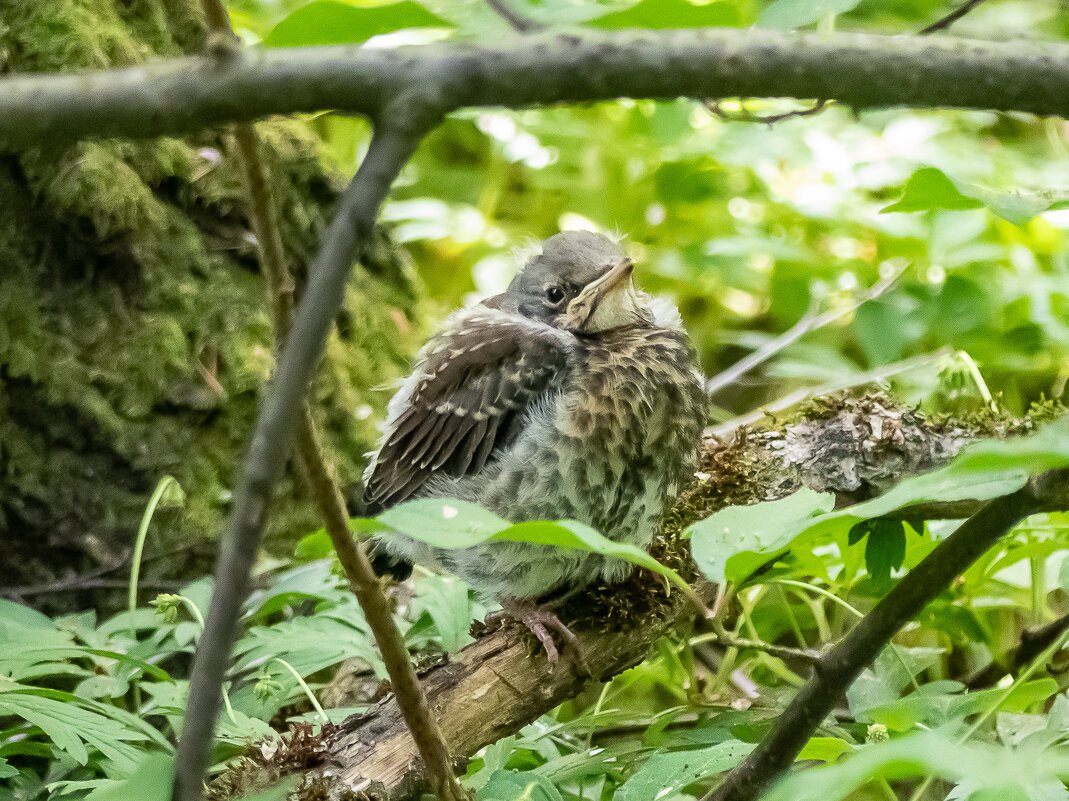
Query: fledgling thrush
[[571, 395]]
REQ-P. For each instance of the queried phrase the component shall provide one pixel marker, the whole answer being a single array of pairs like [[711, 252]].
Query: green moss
[[134, 333]]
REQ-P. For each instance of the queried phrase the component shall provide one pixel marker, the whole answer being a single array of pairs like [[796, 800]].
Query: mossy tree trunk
[[134, 334]]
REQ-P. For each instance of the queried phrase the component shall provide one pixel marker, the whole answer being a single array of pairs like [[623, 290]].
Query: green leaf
[[737, 540], [6, 770], [824, 749], [787, 14], [445, 523], [21, 615], [674, 770], [69, 726], [314, 546], [1002, 771], [671, 14], [448, 523], [885, 549], [445, 599], [329, 22], [882, 684], [309, 643], [509, 785], [930, 188], [150, 781]]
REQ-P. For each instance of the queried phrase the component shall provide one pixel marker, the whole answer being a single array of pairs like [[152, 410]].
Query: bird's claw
[[542, 623]]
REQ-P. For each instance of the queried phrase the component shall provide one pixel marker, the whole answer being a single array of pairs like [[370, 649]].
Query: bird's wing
[[474, 380]]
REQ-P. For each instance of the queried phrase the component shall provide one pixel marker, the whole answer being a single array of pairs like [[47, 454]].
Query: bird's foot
[[542, 623]]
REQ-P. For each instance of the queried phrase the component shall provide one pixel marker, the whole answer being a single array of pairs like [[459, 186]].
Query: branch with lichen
[[617, 626]]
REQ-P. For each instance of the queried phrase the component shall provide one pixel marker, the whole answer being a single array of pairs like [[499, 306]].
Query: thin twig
[[809, 322], [281, 415], [1033, 642], [729, 640], [837, 669], [518, 21], [951, 18], [714, 107], [319, 480], [877, 375]]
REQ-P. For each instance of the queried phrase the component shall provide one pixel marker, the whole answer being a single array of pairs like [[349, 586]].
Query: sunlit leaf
[[674, 770], [1004, 772], [447, 523], [670, 14], [329, 22], [930, 188], [788, 14], [737, 540]]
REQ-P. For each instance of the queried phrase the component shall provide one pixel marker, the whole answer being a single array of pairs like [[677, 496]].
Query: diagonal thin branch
[[518, 21], [837, 669], [318, 478], [945, 22], [808, 322], [345, 240]]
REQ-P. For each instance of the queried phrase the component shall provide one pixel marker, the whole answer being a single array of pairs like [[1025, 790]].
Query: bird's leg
[[542, 622]]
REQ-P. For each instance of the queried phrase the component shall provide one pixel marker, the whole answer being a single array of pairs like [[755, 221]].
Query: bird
[[571, 395]]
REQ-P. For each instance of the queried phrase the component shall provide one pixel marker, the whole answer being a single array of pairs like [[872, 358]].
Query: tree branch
[[319, 480], [346, 238], [860, 70], [836, 670], [519, 22], [373, 754], [1033, 643], [809, 322]]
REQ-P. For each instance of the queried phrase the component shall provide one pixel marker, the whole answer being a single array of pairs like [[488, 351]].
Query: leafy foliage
[[750, 229], [89, 708]]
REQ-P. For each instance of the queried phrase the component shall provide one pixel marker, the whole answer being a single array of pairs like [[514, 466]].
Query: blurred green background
[[749, 226]]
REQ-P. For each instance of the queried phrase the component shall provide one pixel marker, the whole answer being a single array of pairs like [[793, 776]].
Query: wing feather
[[472, 383]]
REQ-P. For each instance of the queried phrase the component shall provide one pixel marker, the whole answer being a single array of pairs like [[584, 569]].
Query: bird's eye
[[554, 294]]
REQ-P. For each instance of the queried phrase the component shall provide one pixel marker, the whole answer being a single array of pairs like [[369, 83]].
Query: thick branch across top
[[860, 70]]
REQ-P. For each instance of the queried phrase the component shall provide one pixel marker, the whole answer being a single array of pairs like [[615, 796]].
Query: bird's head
[[580, 282]]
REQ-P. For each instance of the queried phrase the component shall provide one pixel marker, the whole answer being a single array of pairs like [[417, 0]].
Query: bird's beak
[[603, 303]]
